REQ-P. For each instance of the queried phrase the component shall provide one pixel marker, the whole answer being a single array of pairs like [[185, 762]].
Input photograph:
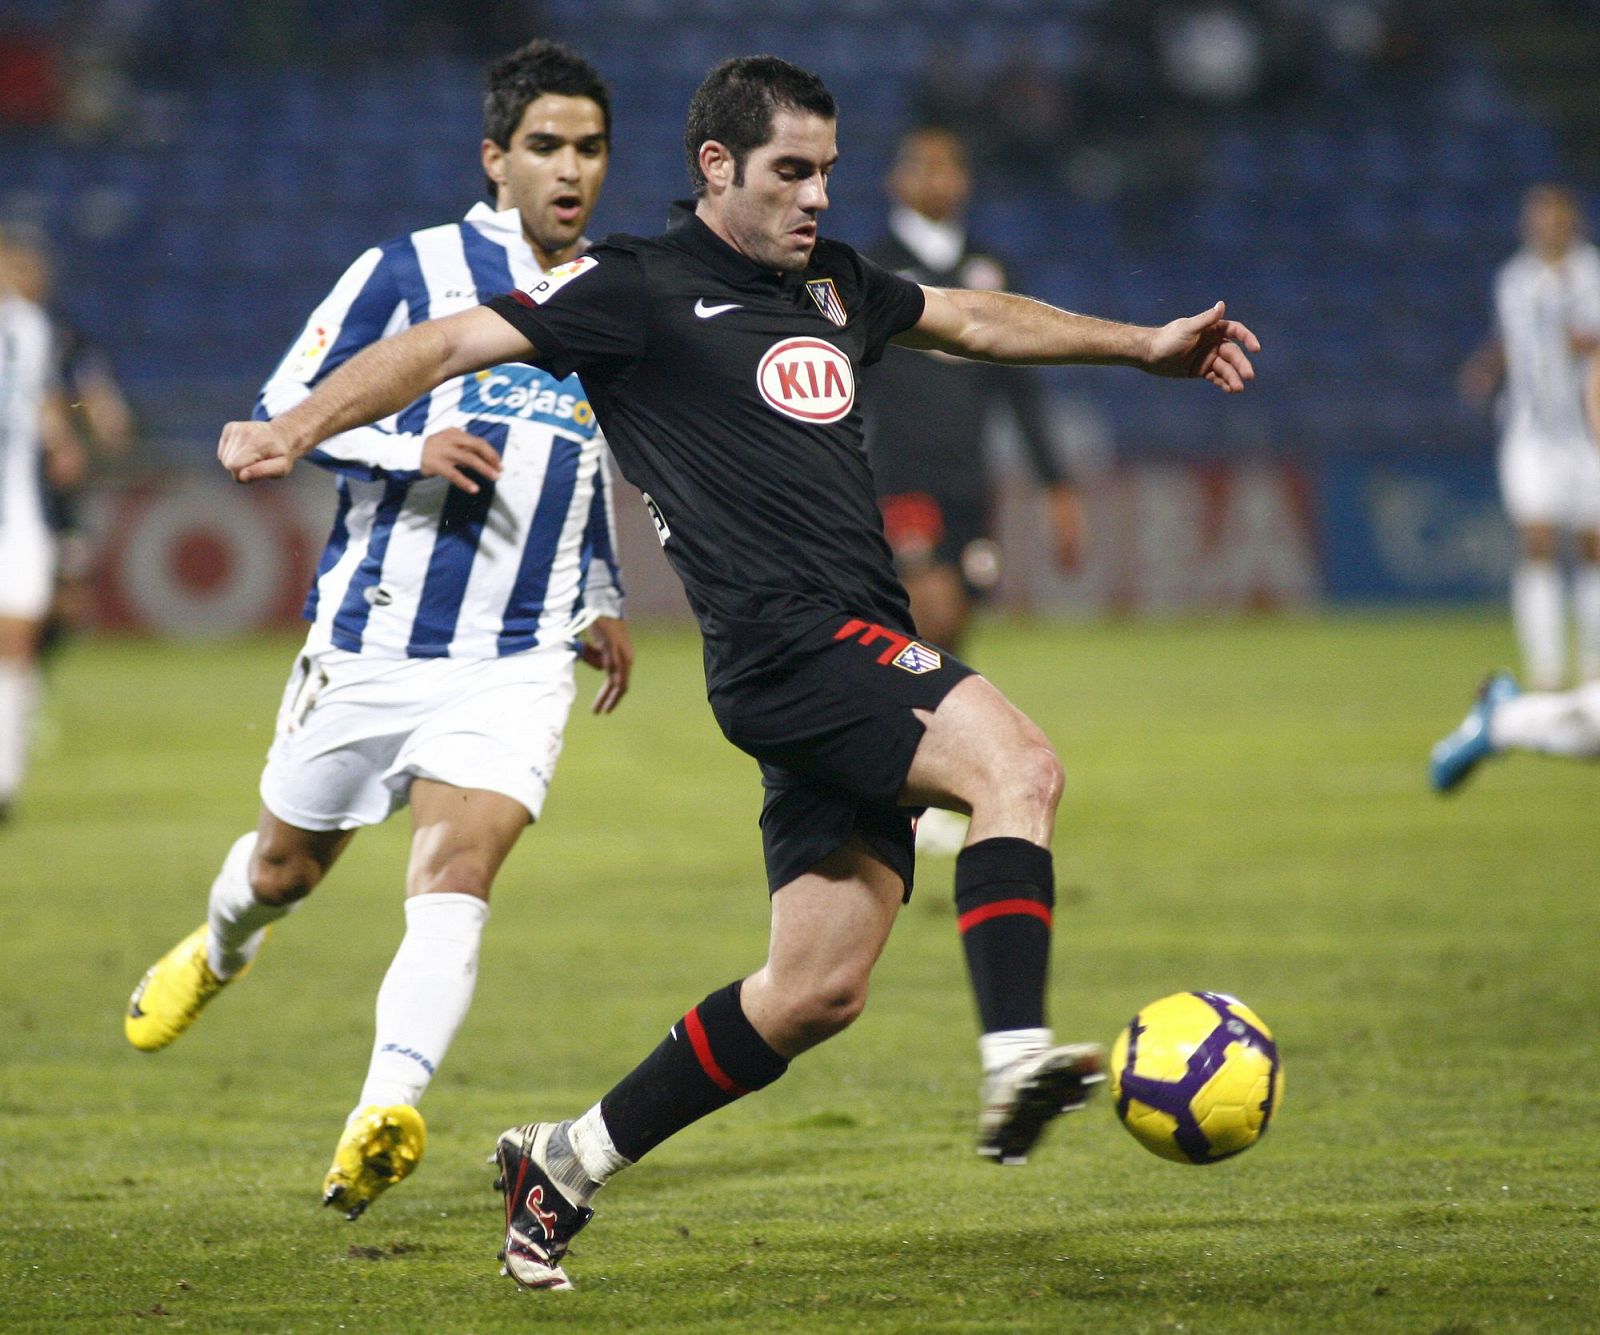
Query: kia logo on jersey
[[807, 379]]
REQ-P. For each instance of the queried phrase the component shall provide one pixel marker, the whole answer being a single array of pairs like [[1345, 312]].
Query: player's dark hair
[[736, 103], [528, 73]]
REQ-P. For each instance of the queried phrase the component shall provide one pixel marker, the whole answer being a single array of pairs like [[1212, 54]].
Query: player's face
[[772, 217], [28, 272], [931, 175], [551, 171], [1549, 222]]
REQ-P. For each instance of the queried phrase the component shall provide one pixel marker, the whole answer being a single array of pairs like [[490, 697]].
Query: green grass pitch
[[1246, 811]]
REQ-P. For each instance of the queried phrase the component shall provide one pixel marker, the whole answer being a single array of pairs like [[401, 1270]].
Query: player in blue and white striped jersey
[[472, 545], [35, 440], [1547, 330]]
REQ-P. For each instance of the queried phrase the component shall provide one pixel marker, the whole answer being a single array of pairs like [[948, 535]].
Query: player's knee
[[1030, 775], [283, 878], [821, 1012], [464, 874]]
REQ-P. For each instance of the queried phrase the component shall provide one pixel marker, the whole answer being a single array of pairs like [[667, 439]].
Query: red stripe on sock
[[708, 1063], [1002, 908]]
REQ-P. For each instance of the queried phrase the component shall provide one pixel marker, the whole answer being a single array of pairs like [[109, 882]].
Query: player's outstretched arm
[[1003, 327], [379, 380]]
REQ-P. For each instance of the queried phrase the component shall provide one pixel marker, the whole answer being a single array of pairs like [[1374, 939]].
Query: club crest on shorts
[[826, 295], [918, 658]]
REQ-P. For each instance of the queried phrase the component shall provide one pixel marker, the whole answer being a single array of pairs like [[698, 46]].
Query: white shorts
[[27, 571], [353, 732], [1547, 480]]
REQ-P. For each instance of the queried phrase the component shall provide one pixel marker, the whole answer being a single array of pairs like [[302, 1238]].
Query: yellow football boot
[[173, 991], [379, 1147]]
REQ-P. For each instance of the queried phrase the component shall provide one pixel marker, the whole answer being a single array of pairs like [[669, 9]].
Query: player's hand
[[66, 464], [254, 450], [1205, 347], [1067, 529], [457, 455], [608, 647]]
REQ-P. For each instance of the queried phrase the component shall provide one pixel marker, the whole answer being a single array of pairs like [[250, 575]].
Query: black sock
[[1005, 889], [708, 1059]]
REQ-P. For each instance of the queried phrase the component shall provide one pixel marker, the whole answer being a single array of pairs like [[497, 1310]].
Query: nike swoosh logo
[[706, 312]]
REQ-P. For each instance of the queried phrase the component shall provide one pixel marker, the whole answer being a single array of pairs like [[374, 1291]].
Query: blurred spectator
[[30, 79], [1031, 120]]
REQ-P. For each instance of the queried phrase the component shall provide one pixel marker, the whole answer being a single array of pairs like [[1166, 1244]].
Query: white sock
[[238, 920], [16, 706], [425, 996], [999, 1049], [1563, 723], [591, 1142], [1536, 612], [1586, 612]]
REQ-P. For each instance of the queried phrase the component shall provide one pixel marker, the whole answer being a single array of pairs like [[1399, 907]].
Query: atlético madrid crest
[[826, 295], [918, 658]]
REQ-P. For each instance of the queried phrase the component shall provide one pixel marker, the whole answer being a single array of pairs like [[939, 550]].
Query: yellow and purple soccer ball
[[1196, 1077]]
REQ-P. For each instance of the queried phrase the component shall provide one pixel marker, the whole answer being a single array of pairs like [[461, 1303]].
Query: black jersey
[[727, 393], [925, 413]]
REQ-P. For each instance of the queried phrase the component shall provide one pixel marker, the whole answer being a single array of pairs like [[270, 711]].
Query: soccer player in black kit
[[721, 359]]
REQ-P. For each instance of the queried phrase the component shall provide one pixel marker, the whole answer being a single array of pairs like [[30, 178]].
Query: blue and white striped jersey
[[417, 568], [26, 373], [1539, 306]]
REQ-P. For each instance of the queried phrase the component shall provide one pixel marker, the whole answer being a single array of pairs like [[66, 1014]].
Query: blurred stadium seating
[[1354, 219]]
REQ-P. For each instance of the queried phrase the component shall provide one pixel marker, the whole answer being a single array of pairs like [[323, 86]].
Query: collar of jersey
[[505, 226], [687, 230]]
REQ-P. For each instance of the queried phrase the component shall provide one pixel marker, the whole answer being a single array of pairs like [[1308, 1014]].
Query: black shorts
[[932, 528], [834, 731]]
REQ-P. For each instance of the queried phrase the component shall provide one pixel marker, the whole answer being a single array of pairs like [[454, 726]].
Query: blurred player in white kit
[[1504, 718], [473, 544], [1547, 316], [35, 436]]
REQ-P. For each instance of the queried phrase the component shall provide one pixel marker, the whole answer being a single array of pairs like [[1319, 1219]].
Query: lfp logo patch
[[558, 278], [918, 658]]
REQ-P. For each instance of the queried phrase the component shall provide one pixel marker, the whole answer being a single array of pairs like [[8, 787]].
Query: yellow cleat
[[173, 991], [379, 1147]]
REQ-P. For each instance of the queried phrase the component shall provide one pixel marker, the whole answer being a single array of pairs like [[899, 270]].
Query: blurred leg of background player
[[1538, 607], [19, 638], [1552, 723], [1586, 605], [979, 753]]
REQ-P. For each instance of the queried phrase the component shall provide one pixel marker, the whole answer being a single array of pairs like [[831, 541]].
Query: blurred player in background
[[1547, 316], [925, 417], [1555, 723], [36, 443], [723, 356], [473, 543], [97, 409]]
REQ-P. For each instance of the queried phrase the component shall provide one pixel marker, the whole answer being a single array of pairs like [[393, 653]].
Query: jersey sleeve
[[602, 576], [588, 316], [890, 305], [1586, 299], [364, 306]]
